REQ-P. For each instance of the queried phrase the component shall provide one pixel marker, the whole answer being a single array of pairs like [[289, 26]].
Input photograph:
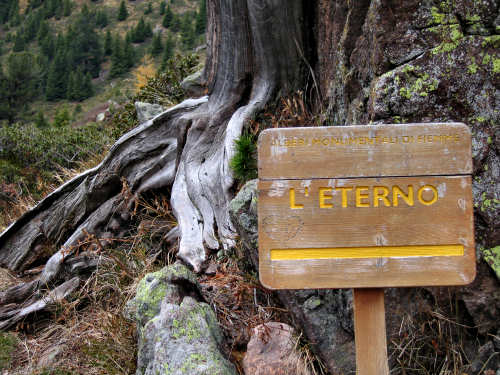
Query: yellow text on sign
[[371, 196], [367, 252]]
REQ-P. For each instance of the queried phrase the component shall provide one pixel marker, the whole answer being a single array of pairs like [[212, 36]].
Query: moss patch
[[8, 343], [492, 257]]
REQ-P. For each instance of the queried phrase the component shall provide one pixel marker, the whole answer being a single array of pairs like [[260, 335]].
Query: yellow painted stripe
[[367, 252]]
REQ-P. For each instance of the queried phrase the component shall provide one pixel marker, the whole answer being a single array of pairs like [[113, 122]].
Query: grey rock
[[170, 284], [487, 359], [100, 117], [193, 84], [243, 213], [178, 334], [146, 111]]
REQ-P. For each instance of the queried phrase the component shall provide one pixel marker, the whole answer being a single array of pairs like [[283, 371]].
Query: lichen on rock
[[178, 332], [492, 258]]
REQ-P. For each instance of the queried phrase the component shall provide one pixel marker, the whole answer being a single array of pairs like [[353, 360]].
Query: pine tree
[[175, 24], [101, 19], [108, 44], [59, 9], [61, 119], [43, 30], [71, 91], [168, 51], [67, 8], [128, 55], [19, 43], [162, 8], [87, 89], [168, 18], [140, 31], [149, 9], [48, 45], [148, 30], [156, 45], [117, 60], [201, 18], [4, 106], [187, 33], [57, 78], [122, 12], [40, 121], [19, 84]]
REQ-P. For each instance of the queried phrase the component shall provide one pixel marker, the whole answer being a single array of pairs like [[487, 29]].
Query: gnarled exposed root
[[187, 148]]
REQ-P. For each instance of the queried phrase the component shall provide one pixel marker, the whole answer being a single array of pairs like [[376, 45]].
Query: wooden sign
[[366, 206]]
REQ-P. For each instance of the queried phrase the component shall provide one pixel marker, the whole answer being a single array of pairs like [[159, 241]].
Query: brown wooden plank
[[365, 151], [370, 334], [415, 223]]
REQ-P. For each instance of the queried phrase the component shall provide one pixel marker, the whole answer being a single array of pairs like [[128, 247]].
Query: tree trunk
[[254, 54]]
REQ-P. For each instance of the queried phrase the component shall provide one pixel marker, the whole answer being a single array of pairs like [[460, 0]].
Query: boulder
[[178, 333], [272, 350], [193, 84], [146, 111]]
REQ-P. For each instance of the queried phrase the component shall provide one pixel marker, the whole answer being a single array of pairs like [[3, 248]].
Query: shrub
[[28, 146], [165, 88], [244, 162]]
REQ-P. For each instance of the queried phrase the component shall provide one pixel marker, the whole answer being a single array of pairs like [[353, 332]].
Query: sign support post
[[366, 207], [370, 332]]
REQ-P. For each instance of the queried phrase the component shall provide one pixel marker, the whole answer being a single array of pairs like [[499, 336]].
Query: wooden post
[[370, 332]]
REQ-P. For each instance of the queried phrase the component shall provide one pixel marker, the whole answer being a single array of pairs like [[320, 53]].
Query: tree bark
[[254, 55]]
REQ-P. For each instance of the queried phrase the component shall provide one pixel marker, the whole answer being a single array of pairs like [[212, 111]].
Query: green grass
[[8, 344]]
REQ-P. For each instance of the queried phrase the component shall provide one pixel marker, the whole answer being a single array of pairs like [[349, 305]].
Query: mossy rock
[[154, 288], [492, 257]]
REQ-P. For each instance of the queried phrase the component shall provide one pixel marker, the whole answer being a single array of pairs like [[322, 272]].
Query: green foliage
[[62, 118], [162, 8], [101, 18], [149, 8], [156, 45], [18, 85], [108, 44], [201, 18], [141, 32], [168, 17], [27, 146], [19, 43], [244, 162], [8, 9], [8, 343], [188, 36], [122, 12], [165, 87], [40, 121], [168, 51], [56, 81], [122, 57]]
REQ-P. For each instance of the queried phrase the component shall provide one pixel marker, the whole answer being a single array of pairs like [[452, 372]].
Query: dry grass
[[87, 334], [241, 303], [431, 343], [290, 111], [14, 200]]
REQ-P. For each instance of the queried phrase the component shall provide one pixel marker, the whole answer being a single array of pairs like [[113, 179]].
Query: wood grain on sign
[[367, 221]]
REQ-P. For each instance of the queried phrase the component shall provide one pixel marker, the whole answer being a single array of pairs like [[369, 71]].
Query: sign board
[[366, 206]]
